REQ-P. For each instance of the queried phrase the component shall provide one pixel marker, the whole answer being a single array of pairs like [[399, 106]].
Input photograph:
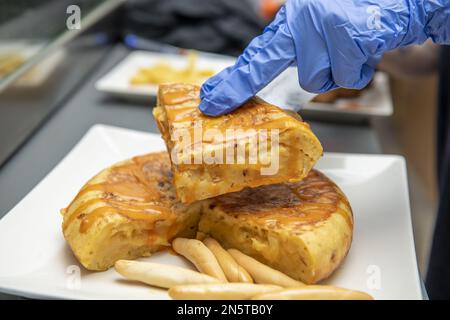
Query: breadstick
[[262, 273], [223, 291], [315, 292], [233, 271], [161, 275], [203, 259]]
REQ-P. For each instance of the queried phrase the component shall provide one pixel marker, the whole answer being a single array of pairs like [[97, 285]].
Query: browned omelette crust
[[132, 202], [129, 190], [178, 109], [275, 223], [129, 210], [287, 205], [181, 103]]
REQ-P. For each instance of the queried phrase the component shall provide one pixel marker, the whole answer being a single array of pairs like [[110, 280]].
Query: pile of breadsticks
[[226, 274]]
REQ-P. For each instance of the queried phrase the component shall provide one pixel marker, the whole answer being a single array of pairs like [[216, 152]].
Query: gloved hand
[[333, 43]]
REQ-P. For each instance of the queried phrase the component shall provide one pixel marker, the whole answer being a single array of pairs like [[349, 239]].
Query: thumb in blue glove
[[333, 43]]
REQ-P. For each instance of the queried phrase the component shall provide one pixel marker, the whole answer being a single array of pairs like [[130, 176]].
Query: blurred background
[[66, 65]]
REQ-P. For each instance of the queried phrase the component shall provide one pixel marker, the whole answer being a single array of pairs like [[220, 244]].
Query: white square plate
[[35, 261], [117, 81]]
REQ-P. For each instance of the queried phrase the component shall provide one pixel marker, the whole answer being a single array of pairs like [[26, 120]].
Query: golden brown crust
[[132, 203], [124, 187], [290, 205], [177, 111], [181, 105], [303, 229]]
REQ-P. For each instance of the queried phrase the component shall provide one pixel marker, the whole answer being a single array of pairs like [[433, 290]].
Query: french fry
[[163, 71], [203, 259], [161, 275], [262, 273], [233, 271], [224, 291], [315, 292]]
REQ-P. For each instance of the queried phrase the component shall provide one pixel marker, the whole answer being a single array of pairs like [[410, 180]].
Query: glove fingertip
[[367, 73], [204, 91], [318, 87], [207, 87], [210, 108]]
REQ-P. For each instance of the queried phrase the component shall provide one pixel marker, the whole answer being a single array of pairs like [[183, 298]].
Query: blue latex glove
[[333, 43]]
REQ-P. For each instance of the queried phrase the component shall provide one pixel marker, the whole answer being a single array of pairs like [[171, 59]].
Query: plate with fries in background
[[138, 75]]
